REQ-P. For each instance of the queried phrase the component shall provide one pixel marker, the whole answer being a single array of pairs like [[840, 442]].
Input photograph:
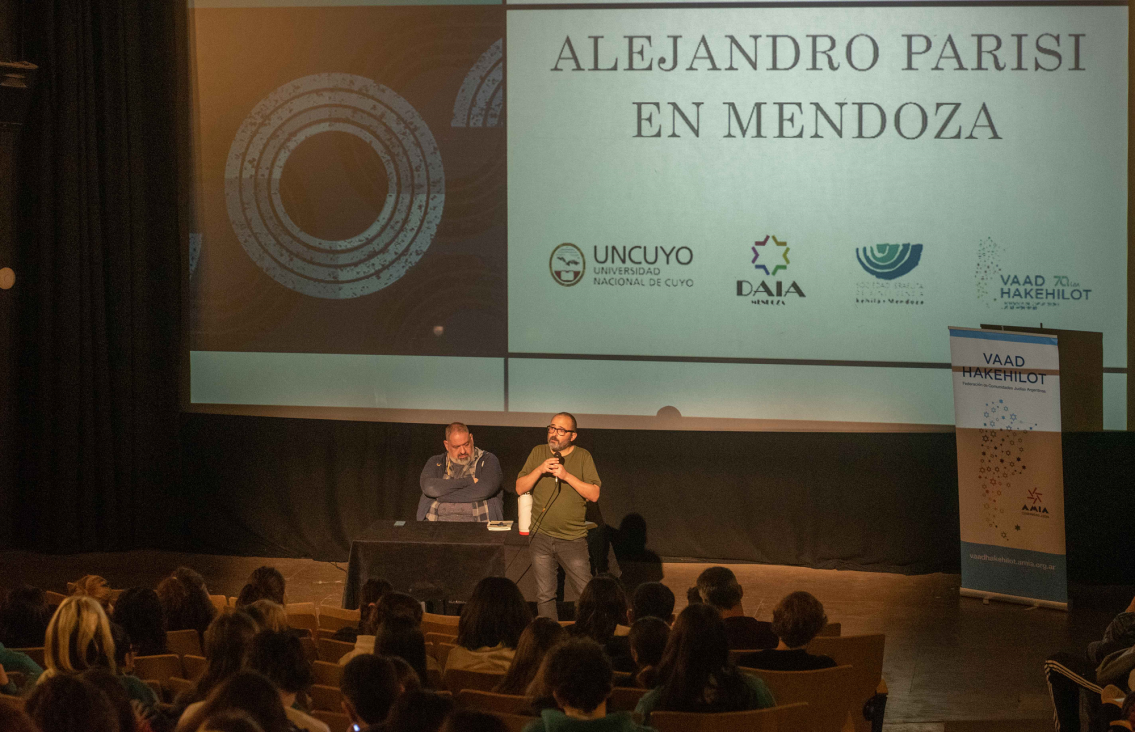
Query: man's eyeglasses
[[560, 431]]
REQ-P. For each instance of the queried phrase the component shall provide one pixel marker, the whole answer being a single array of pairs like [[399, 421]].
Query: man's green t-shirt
[[564, 518]]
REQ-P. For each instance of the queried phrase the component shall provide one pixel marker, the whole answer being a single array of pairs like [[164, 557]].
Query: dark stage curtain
[[99, 298]]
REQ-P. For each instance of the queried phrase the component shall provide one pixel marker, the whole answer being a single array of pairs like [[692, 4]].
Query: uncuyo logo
[[567, 264], [889, 261]]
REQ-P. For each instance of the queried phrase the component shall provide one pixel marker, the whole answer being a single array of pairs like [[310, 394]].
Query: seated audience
[[371, 591], [490, 627], [139, 612], [116, 695], [67, 703], [185, 601], [696, 675], [370, 686], [402, 638], [226, 650], [652, 600], [265, 583], [1068, 674], [648, 641], [79, 638], [23, 618], [245, 691], [20, 662], [602, 606], [420, 711], [397, 605], [541, 635], [91, 585], [578, 676], [796, 620], [280, 657], [718, 587]]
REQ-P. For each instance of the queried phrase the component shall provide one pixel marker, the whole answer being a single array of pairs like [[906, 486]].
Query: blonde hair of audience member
[[268, 615], [78, 638], [541, 635], [91, 585]]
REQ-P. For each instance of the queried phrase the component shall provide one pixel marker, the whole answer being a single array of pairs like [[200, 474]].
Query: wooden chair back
[[332, 650], [338, 722], [159, 668], [219, 601], [864, 653], [54, 598], [487, 701], [785, 718], [334, 618], [16, 702], [827, 692], [458, 679], [302, 615], [515, 722], [157, 687], [447, 624], [441, 652], [35, 654], [624, 699], [831, 630], [435, 637], [183, 642], [178, 686], [327, 698], [326, 632], [623, 678], [326, 674], [193, 666], [310, 649]]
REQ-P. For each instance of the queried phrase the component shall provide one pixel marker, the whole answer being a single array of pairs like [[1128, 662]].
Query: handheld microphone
[[560, 458]]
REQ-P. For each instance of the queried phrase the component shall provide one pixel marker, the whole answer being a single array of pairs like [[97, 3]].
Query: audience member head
[[402, 638], [370, 687], [91, 585], [265, 583], [185, 601], [535, 642], [472, 720], [797, 619], [419, 711], [23, 617], [226, 650], [67, 703], [280, 657], [116, 694], [495, 614], [695, 672], [123, 655], [408, 678], [579, 676], [245, 691], [139, 612], [602, 605], [268, 615], [395, 605], [648, 640], [719, 587], [372, 590], [653, 600], [15, 720], [78, 637], [232, 721]]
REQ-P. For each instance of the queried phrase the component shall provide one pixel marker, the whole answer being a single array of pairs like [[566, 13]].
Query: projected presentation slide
[[727, 217]]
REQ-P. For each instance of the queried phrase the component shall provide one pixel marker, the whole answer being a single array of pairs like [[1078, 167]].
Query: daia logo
[[889, 261], [770, 256], [567, 264]]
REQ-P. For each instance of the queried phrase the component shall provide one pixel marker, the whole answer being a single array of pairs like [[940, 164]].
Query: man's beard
[[462, 461], [558, 443]]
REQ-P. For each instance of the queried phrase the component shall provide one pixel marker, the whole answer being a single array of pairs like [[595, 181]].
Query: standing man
[[461, 484], [562, 479]]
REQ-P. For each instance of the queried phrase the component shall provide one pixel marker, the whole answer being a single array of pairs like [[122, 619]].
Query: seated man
[[579, 677], [796, 620], [461, 484], [718, 586]]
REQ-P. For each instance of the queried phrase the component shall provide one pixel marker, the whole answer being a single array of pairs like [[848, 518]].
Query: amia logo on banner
[[1010, 471]]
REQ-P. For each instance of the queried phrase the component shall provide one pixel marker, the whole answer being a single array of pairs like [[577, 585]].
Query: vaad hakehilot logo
[[889, 261], [567, 264], [770, 260]]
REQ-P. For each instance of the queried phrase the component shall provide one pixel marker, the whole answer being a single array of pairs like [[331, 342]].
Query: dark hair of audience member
[[495, 614], [115, 694], [602, 606], [373, 589], [231, 721], [139, 612], [648, 638], [695, 673], [15, 720], [391, 605], [185, 605], [280, 657], [408, 678], [653, 600], [718, 586], [265, 583], [419, 711], [226, 650], [401, 637], [245, 691], [123, 658], [535, 642], [797, 619], [471, 720], [67, 703], [370, 686], [578, 674], [24, 615]]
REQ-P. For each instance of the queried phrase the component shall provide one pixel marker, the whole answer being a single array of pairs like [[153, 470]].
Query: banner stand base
[[987, 596]]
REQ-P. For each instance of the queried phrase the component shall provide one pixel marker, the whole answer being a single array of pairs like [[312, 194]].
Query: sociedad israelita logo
[[889, 261], [567, 264]]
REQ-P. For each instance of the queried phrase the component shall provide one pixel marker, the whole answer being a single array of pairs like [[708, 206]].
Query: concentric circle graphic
[[406, 225]]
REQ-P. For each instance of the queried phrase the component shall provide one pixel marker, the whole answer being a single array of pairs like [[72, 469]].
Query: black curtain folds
[[99, 302]]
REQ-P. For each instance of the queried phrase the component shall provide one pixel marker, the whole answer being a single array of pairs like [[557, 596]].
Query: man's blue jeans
[[548, 553]]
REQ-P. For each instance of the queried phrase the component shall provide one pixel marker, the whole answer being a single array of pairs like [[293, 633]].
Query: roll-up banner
[[1010, 470]]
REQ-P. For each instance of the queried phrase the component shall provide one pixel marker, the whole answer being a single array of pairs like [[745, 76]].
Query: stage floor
[[948, 659]]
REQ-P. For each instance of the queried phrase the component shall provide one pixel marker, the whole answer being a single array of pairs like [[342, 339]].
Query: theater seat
[[183, 642], [459, 679], [624, 699], [487, 701], [158, 668], [786, 718], [334, 618], [332, 650], [327, 698], [327, 674], [515, 722], [864, 653], [827, 692], [193, 666], [338, 722]]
